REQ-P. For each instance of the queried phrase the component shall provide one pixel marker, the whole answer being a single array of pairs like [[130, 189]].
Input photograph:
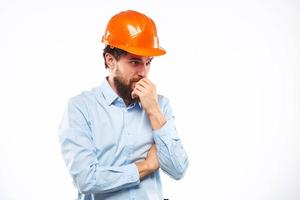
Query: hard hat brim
[[142, 51]]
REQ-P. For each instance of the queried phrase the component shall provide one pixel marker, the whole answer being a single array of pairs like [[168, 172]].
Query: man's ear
[[110, 61]]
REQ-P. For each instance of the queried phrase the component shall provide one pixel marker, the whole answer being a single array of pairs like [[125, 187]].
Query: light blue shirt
[[101, 139]]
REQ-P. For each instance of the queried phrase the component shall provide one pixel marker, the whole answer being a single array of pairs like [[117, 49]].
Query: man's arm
[[149, 165], [172, 157], [79, 153]]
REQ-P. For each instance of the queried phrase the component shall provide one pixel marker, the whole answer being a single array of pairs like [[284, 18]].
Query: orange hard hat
[[133, 32]]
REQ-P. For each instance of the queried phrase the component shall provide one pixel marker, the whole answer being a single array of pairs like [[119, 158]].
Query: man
[[115, 137]]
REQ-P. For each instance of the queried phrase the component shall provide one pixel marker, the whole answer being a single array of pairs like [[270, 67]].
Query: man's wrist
[[154, 110], [156, 118]]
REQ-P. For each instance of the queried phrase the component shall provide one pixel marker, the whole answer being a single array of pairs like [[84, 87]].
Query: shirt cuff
[[133, 173]]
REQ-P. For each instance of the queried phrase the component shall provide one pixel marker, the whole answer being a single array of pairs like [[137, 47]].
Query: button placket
[[128, 134]]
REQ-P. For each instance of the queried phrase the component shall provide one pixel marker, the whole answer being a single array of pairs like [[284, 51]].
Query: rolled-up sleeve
[[172, 156], [79, 153]]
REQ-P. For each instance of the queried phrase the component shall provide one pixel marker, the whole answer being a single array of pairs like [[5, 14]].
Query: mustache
[[136, 79]]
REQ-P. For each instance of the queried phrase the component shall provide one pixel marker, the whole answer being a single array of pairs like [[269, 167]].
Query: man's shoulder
[[85, 97]]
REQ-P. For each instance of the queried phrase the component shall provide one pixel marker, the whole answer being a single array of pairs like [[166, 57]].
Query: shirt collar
[[109, 94]]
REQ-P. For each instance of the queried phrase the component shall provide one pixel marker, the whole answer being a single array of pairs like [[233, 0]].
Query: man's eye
[[134, 62], [148, 63]]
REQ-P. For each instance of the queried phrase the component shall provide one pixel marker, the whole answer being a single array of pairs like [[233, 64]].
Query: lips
[[134, 81]]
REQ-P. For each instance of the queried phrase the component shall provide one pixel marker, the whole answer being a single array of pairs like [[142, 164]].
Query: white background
[[231, 72]]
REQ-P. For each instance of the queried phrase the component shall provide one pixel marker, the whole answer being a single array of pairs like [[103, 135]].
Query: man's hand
[[152, 159], [146, 91], [150, 165]]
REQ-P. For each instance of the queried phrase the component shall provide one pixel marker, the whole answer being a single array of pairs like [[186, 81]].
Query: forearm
[[88, 174], [98, 179], [156, 118], [150, 165], [172, 157]]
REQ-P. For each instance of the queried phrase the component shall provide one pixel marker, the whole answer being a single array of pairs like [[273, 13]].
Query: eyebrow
[[139, 59]]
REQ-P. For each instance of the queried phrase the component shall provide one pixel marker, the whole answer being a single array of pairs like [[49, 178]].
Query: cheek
[[126, 79]]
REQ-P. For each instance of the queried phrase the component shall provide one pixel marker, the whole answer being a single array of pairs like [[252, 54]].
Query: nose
[[142, 71]]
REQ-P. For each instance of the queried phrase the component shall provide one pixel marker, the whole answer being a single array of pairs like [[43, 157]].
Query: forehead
[[130, 56]]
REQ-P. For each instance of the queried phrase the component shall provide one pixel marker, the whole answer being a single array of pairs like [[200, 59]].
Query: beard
[[125, 89]]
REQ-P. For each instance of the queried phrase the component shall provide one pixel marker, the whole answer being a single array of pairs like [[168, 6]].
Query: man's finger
[[144, 85], [140, 88], [136, 92], [145, 82]]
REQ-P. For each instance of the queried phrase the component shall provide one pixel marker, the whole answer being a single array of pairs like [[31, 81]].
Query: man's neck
[[110, 80]]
